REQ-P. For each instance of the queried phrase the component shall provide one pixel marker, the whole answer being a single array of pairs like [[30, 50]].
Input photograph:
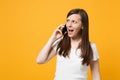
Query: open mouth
[[70, 30]]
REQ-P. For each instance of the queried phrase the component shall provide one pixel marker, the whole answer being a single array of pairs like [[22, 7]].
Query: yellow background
[[26, 25]]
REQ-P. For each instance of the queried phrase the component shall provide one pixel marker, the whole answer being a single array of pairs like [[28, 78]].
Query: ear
[[82, 27]]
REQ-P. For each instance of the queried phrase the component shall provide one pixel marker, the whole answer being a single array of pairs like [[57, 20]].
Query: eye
[[67, 20], [74, 21]]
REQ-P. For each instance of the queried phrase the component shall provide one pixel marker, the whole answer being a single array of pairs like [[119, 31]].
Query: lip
[[69, 32]]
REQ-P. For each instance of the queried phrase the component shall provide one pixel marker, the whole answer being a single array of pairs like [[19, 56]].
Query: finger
[[61, 26], [59, 31]]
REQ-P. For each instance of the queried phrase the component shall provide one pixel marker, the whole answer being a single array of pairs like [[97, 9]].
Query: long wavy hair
[[64, 45]]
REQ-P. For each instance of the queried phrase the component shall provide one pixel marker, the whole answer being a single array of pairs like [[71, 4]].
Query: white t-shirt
[[71, 68]]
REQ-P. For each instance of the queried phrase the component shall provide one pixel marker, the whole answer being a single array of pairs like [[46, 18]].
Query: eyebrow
[[73, 19]]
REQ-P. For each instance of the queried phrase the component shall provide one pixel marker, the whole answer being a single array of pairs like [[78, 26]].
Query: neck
[[75, 42], [77, 39]]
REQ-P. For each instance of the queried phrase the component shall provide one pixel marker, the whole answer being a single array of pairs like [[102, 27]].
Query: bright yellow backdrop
[[26, 25]]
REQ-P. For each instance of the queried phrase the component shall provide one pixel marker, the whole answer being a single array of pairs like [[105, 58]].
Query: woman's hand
[[47, 51], [58, 32]]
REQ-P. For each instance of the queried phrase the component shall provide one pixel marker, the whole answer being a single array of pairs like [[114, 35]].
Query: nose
[[69, 24]]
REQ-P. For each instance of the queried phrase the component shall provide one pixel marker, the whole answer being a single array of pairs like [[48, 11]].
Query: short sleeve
[[55, 44], [95, 52]]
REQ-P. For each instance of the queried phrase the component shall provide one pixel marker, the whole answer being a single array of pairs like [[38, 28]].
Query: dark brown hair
[[64, 45]]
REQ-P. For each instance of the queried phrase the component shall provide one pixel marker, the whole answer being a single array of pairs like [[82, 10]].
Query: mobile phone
[[64, 30]]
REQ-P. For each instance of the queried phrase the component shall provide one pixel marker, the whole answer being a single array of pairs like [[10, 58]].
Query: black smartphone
[[64, 30]]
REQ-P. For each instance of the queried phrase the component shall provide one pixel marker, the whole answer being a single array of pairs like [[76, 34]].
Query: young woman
[[75, 53]]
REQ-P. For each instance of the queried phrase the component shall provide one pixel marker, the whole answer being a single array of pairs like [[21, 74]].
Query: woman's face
[[74, 25]]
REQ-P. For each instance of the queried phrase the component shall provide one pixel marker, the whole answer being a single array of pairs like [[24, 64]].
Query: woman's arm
[[47, 52], [94, 65]]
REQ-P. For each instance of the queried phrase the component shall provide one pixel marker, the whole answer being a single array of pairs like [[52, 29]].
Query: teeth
[[70, 30]]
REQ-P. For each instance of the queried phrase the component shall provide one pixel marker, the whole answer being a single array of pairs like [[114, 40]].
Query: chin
[[71, 36]]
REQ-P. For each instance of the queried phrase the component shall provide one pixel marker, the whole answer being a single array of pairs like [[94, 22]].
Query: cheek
[[77, 30], [78, 27]]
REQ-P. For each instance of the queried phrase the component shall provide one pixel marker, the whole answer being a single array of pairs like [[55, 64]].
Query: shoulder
[[93, 45], [95, 51]]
